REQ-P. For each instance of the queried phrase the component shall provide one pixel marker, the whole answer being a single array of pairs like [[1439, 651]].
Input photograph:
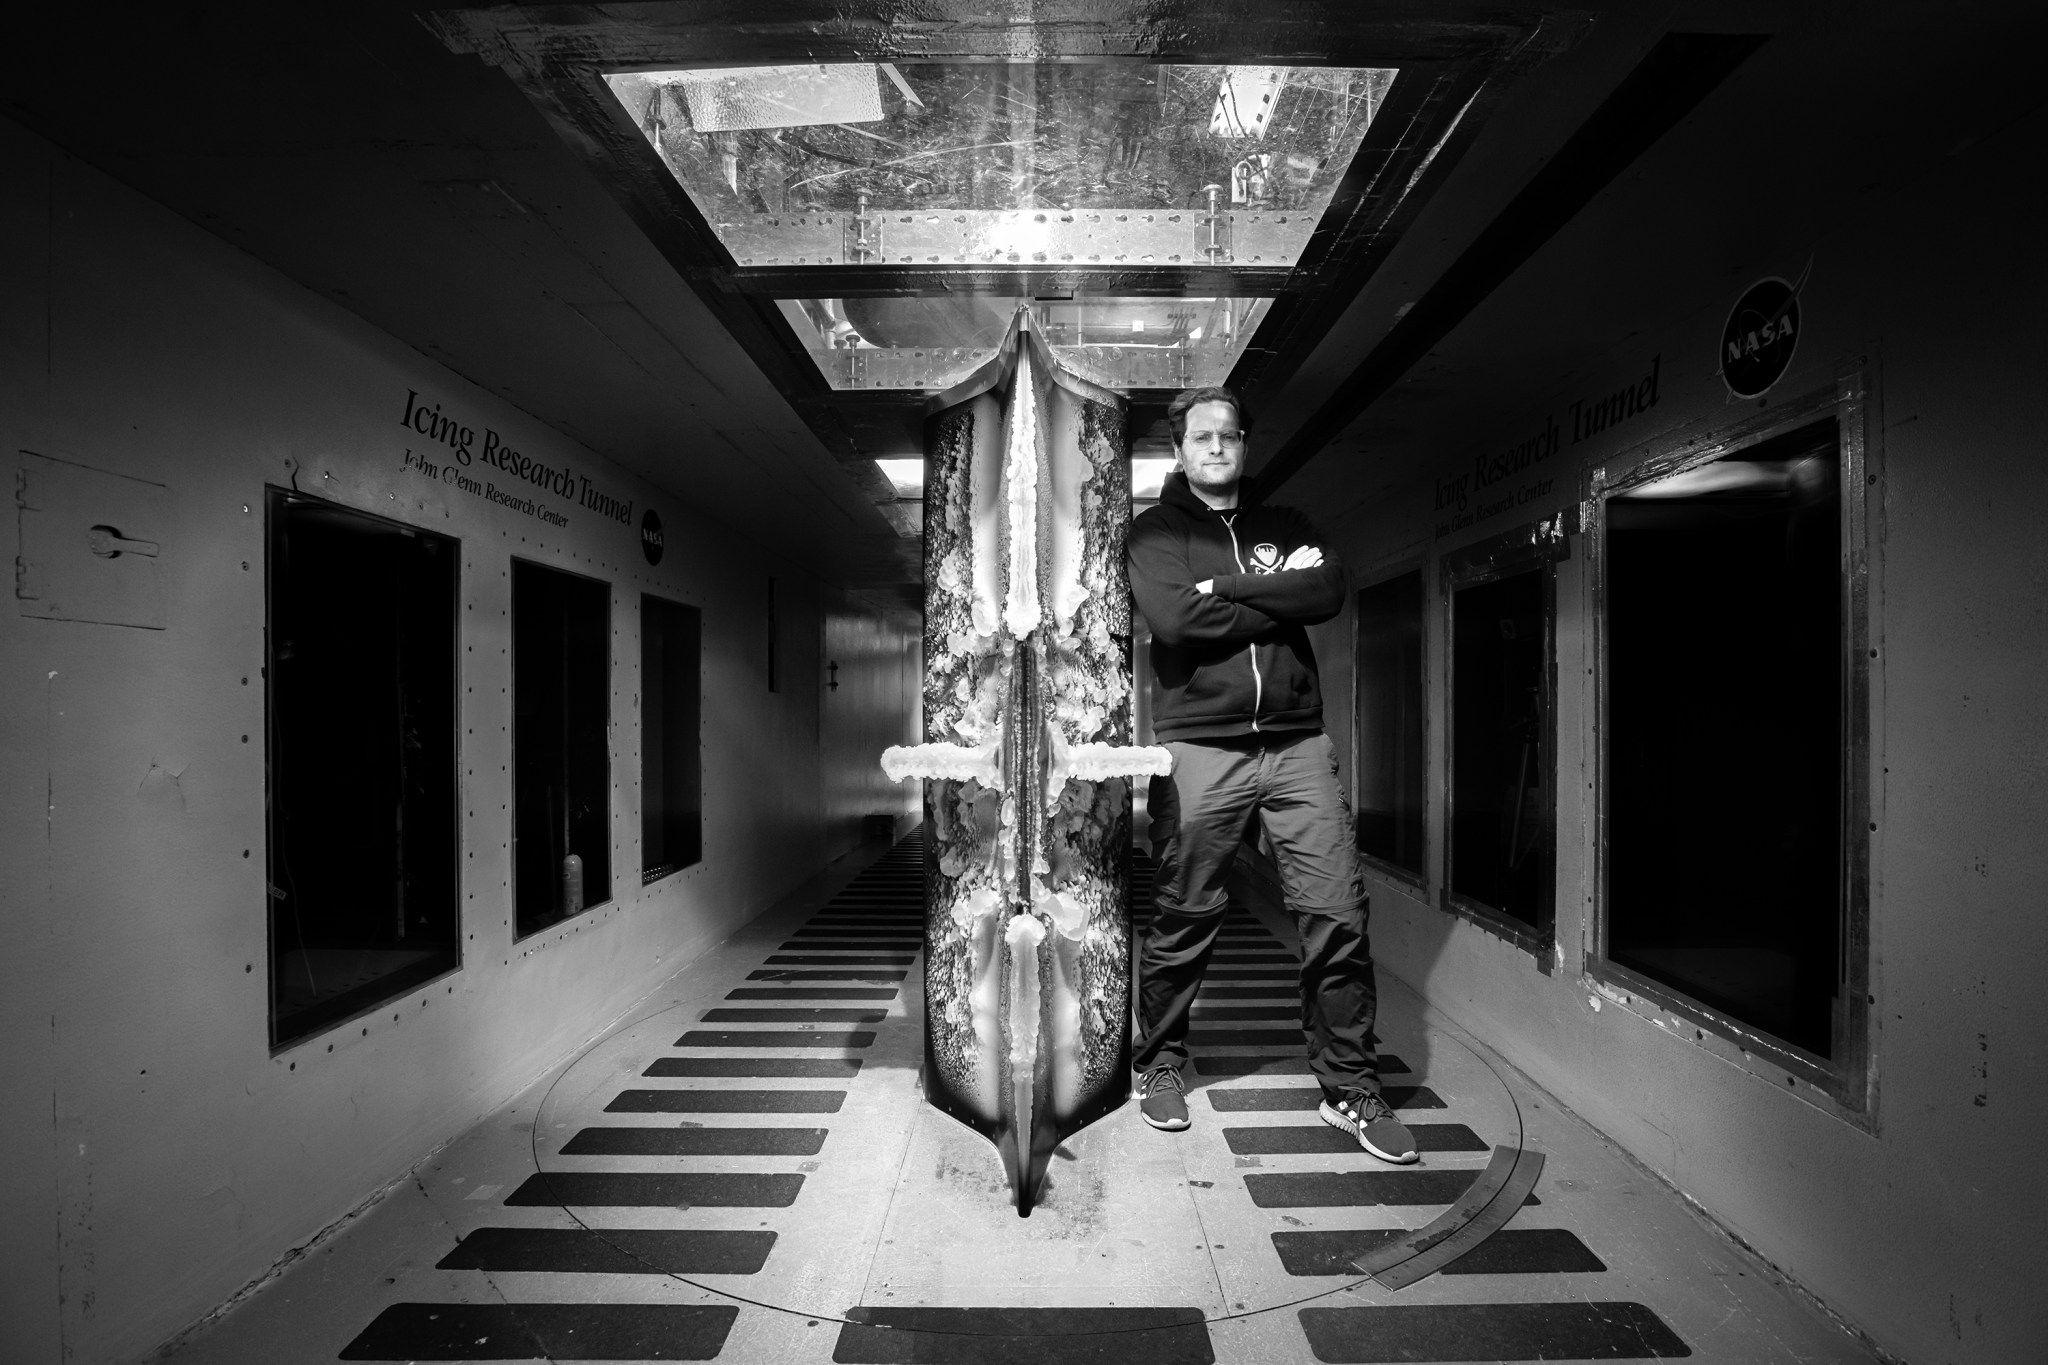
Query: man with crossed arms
[[1228, 586]]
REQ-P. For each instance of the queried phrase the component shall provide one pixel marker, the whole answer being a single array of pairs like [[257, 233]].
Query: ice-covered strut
[[1027, 760]]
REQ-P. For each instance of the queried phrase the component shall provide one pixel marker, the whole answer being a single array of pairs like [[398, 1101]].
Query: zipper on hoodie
[[1251, 650]]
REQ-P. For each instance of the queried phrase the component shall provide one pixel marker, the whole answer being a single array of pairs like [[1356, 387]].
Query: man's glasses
[[1229, 440]]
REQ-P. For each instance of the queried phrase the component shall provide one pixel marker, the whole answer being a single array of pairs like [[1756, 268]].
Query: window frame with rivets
[[362, 788], [561, 745], [1808, 627]]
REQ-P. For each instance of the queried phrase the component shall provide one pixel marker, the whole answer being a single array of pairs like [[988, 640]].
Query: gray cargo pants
[[1199, 815]]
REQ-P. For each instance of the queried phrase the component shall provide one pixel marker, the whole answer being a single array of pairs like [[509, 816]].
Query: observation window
[[981, 163], [942, 165], [1502, 844], [360, 750], [1390, 722], [671, 763], [1727, 747], [561, 745]]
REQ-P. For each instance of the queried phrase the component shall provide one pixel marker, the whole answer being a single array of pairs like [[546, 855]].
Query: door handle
[[108, 543]]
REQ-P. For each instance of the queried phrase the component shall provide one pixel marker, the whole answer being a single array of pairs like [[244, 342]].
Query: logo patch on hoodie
[[1266, 558]]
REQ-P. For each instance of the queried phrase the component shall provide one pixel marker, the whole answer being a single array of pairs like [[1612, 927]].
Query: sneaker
[[1161, 1101], [1366, 1117]]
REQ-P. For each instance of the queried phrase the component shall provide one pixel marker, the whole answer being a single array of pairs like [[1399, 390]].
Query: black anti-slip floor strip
[[1024, 1336], [859, 939], [665, 1189], [612, 1251], [545, 1331], [790, 974], [1511, 1251], [821, 1015], [869, 938], [902, 952], [774, 1038], [1358, 1189], [829, 1068], [1249, 1101], [726, 1102], [1490, 1332], [1291, 1063], [1296, 1139], [1294, 1058], [811, 993], [609, 1141], [855, 932], [820, 960], [1245, 1037]]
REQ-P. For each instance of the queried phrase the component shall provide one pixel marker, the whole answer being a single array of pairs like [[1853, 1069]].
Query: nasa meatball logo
[[1757, 343], [1266, 558], [650, 537]]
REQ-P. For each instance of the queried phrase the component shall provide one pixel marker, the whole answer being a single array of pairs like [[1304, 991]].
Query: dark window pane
[[1725, 660], [561, 732], [361, 755], [1390, 793], [1501, 845], [671, 787]]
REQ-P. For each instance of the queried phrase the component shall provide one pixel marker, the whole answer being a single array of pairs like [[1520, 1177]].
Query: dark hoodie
[[1235, 661]]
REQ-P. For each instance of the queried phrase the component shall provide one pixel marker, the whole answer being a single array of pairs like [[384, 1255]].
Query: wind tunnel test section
[[1145, 186]]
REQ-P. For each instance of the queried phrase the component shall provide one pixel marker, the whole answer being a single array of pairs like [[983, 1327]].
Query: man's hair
[[1177, 410]]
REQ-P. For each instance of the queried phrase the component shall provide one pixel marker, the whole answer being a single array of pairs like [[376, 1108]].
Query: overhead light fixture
[[1245, 100], [1736, 476]]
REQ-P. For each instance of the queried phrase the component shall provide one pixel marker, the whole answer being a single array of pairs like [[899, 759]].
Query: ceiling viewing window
[[863, 205], [1063, 165], [983, 163]]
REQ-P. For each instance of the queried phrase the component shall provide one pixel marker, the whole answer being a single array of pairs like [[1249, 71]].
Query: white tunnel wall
[[1920, 1229], [163, 1158]]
